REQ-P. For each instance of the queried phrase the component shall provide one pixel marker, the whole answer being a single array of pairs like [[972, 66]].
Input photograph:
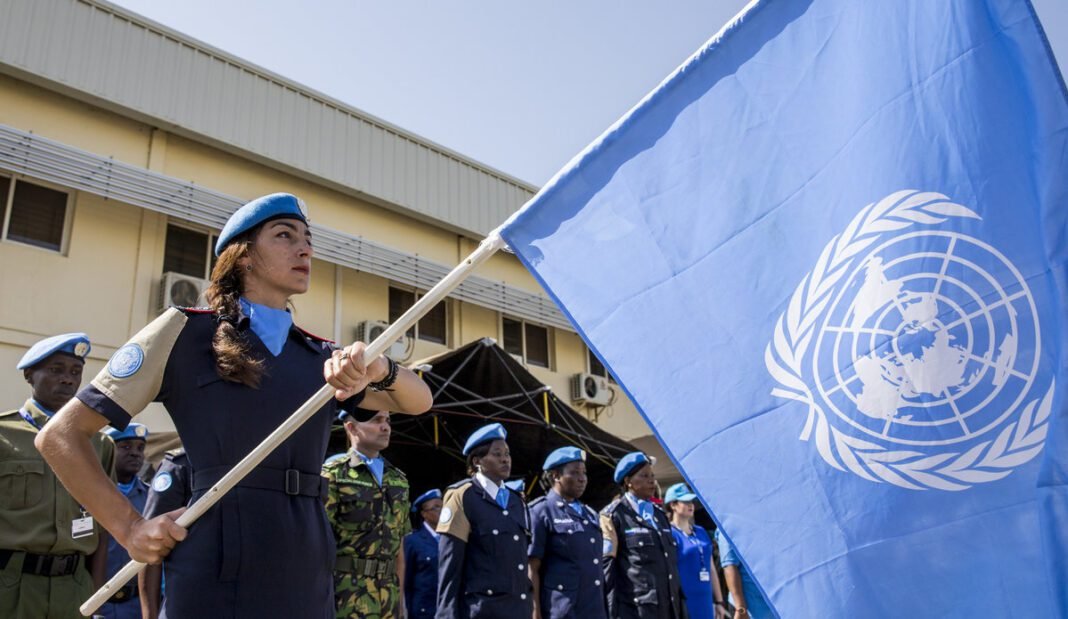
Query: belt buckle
[[292, 482], [37, 564]]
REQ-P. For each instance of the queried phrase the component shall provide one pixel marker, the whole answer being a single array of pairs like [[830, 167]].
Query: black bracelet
[[387, 382]]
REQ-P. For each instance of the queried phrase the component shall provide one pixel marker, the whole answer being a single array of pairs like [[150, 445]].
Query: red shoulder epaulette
[[313, 336]]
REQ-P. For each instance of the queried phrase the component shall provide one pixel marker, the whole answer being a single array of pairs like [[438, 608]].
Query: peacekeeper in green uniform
[[367, 504], [52, 555]]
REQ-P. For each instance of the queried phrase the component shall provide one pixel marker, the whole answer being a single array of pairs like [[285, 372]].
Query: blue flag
[[826, 258]]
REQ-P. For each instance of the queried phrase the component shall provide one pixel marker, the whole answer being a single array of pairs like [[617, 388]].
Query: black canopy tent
[[480, 383]]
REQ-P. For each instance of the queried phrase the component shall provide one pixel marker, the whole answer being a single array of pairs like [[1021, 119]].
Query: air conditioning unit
[[369, 330], [180, 290], [591, 390]]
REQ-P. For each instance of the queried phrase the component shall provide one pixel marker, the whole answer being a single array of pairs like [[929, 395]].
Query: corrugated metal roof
[[116, 57]]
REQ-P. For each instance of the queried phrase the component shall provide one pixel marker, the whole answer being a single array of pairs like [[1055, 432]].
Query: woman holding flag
[[229, 375]]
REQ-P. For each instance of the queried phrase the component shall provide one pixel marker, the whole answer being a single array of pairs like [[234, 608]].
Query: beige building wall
[[106, 280]]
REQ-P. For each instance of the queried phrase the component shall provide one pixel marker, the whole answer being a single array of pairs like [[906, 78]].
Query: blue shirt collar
[[270, 324], [125, 489], [643, 508], [41, 408], [377, 465]]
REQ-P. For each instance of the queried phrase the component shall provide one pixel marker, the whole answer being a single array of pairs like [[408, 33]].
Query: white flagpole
[[489, 246]]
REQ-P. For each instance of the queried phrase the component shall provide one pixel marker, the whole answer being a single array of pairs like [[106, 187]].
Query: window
[[33, 214], [189, 252], [527, 341], [433, 327], [596, 367]]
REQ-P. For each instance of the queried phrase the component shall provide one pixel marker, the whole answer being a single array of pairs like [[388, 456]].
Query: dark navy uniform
[[266, 549], [568, 542], [124, 604], [640, 567], [421, 572], [482, 555], [171, 488]]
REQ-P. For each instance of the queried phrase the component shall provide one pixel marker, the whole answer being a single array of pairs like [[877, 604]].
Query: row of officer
[[556, 559]]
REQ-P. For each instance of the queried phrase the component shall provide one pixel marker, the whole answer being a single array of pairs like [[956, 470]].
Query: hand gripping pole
[[489, 246]]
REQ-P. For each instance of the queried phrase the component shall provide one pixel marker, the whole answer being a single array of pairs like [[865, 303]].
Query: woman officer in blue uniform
[[640, 572], [421, 558], [229, 376], [565, 550], [697, 569], [482, 553]]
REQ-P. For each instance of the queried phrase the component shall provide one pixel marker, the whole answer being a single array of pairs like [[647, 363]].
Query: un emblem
[[916, 349]]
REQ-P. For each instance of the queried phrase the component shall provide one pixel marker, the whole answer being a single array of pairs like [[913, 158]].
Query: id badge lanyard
[[703, 574]]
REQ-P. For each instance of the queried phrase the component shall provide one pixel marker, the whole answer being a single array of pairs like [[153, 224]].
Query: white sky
[[521, 86]]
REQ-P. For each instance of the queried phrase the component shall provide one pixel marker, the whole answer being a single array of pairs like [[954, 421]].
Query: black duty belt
[[293, 482], [43, 565], [367, 568]]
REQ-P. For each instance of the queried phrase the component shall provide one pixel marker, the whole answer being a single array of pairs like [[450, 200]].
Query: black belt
[[367, 568], [43, 565], [290, 481]]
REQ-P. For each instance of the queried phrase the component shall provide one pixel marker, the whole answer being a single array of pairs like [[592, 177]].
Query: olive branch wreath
[[987, 461]]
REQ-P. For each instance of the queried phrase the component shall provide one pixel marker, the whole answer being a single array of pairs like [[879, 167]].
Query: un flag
[[826, 258]]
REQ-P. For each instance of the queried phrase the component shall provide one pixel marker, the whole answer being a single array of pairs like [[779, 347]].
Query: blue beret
[[679, 492], [274, 206], [360, 414], [628, 463], [132, 431], [76, 344], [485, 434], [423, 498], [516, 485], [562, 456]]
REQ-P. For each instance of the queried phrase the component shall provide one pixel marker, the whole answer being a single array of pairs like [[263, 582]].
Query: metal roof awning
[[480, 383]]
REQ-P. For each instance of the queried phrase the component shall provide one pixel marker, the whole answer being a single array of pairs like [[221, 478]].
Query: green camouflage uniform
[[369, 523]]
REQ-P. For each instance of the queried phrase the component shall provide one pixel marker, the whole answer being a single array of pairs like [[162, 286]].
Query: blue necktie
[[502, 497], [577, 507], [645, 510], [375, 465]]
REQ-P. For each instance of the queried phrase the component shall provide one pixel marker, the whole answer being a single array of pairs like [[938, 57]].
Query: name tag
[[81, 527], [704, 576], [635, 531], [356, 482], [563, 521]]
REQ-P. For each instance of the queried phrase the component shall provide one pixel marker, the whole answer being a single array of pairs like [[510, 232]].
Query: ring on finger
[[344, 355]]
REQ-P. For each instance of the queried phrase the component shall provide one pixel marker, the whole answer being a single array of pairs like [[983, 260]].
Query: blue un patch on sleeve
[[126, 361]]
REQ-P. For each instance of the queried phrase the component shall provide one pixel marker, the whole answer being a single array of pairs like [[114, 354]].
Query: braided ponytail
[[233, 358]]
